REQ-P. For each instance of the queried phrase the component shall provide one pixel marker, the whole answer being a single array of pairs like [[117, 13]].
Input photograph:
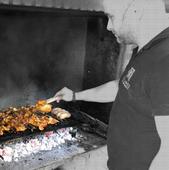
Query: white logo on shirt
[[126, 79]]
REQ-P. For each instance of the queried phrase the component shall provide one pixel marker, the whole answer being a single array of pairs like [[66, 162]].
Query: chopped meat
[[21, 118], [43, 106], [61, 113]]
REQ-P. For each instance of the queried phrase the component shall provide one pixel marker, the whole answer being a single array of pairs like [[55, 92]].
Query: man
[[138, 135]]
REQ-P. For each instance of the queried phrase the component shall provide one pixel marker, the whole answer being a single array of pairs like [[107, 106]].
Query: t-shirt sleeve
[[159, 88]]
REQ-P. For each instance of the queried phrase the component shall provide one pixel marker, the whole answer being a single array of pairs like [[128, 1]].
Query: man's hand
[[64, 94], [102, 94]]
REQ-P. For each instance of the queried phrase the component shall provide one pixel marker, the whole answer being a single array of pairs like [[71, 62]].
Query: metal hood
[[86, 5]]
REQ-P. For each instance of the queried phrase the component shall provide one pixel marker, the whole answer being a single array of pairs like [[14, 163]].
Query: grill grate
[[79, 119]]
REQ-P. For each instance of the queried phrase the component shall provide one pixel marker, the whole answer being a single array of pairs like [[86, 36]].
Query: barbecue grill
[[43, 50], [80, 133]]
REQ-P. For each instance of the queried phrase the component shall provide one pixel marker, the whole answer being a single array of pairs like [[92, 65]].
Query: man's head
[[129, 18]]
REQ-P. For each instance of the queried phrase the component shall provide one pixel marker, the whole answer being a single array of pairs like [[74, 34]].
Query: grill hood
[[86, 5]]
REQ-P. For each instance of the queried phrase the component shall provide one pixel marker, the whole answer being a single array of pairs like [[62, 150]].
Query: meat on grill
[[43, 106], [61, 113], [19, 119], [22, 118]]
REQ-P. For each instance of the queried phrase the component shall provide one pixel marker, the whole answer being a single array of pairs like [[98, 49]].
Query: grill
[[44, 52], [81, 133], [78, 118]]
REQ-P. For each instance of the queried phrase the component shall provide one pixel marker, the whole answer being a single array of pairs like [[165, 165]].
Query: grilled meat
[[19, 119], [61, 113], [43, 106]]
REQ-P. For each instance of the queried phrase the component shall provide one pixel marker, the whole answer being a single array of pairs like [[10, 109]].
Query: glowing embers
[[14, 151]]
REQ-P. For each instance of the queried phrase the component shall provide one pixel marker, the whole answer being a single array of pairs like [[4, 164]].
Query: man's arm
[[104, 93], [161, 161]]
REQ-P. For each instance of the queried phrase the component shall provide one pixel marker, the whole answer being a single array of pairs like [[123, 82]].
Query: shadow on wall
[[39, 54]]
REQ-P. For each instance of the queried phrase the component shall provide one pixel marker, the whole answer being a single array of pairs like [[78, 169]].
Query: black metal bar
[[58, 11]]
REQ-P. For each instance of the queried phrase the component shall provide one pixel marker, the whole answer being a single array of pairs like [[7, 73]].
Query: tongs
[[53, 99]]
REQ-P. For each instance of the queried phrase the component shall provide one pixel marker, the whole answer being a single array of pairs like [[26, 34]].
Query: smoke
[[39, 55], [17, 87]]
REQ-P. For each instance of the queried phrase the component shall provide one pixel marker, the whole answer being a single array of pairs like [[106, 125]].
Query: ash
[[14, 151]]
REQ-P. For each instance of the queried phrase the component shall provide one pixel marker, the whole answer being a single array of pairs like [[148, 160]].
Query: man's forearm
[[161, 161], [104, 93]]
